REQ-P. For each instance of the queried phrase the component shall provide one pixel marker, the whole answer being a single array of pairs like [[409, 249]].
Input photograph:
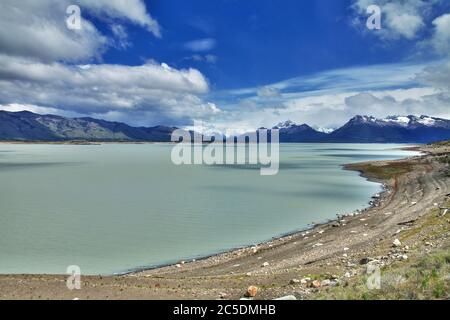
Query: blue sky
[[258, 42], [234, 64]]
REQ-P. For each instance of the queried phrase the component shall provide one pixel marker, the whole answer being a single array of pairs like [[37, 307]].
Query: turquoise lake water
[[116, 207]]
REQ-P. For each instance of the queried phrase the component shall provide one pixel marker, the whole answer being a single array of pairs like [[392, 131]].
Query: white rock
[[290, 297], [317, 245], [396, 243], [265, 264], [346, 249], [305, 280], [326, 283]]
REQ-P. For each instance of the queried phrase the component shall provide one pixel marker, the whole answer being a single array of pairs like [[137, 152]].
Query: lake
[[113, 208]]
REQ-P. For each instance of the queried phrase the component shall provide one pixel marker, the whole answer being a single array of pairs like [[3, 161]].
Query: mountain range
[[28, 126], [366, 129]]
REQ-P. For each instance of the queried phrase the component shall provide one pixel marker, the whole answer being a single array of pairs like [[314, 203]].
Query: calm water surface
[[116, 207]]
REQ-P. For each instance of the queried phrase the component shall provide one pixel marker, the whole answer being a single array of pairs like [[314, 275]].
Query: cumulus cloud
[[401, 19], [37, 29], [151, 87], [334, 109], [47, 68], [329, 99], [441, 36], [437, 76], [200, 45], [384, 105]]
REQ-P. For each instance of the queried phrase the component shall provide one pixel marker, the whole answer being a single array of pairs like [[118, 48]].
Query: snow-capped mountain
[[367, 129], [291, 132], [413, 121], [395, 129], [28, 126], [285, 124]]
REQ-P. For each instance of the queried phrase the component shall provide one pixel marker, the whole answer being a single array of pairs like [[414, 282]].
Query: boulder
[[251, 292], [325, 283], [365, 260], [290, 297], [315, 284], [396, 243]]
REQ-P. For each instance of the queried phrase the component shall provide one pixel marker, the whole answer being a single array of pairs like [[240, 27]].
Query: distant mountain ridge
[[291, 132], [28, 126], [394, 129]]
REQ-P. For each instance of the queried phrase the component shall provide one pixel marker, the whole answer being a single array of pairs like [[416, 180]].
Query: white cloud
[[15, 107], [37, 29], [208, 58], [134, 11], [121, 36], [329, 99], [405, 25], [200, 45], [437, 76], [164, 92], [441, 37], [400, 19], [333, 110], [268, 92]]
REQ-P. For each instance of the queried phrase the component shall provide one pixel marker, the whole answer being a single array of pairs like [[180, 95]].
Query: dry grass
[[384, 172], [425, 275]]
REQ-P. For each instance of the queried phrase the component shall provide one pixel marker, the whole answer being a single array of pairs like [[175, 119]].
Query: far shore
[[331, 253], [411, 146]]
